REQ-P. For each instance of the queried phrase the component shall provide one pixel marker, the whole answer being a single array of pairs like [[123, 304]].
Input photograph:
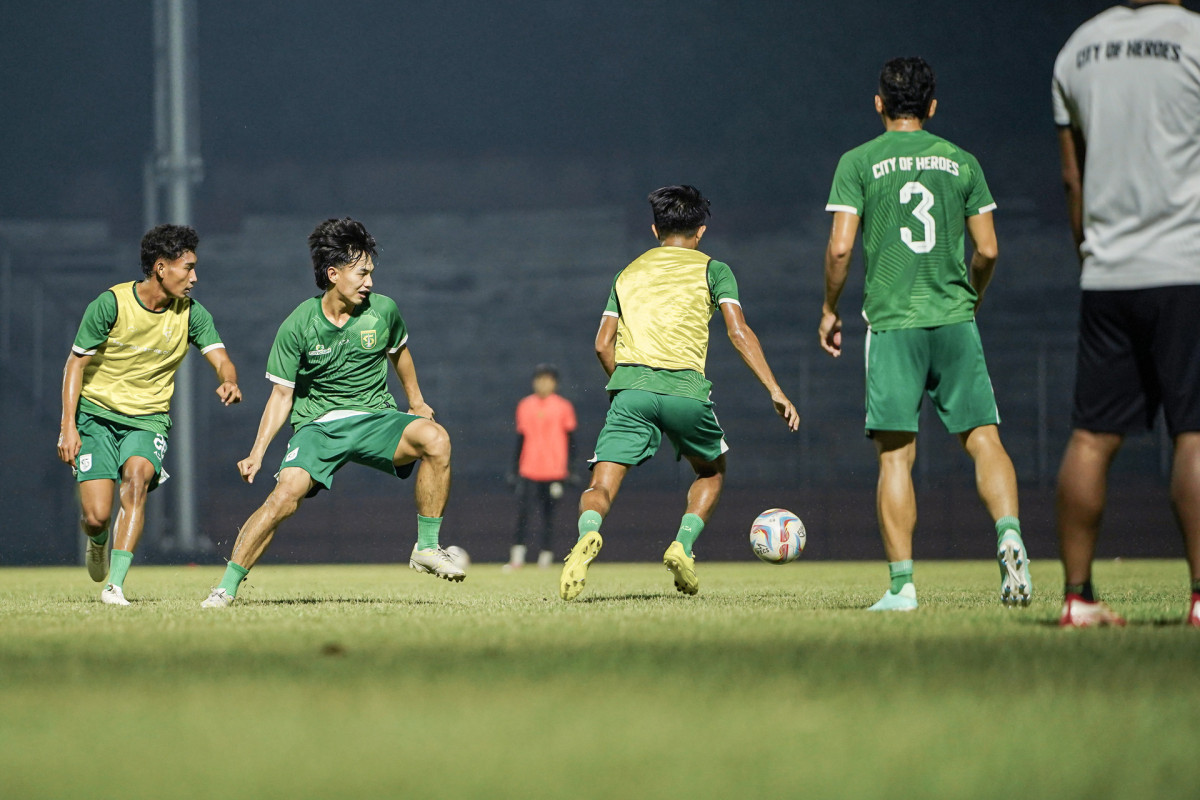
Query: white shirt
[[1129, 80]]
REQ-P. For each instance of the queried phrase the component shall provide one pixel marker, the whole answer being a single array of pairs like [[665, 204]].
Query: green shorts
[[107, 444], [322, 448], [637, 420], [947, 362]]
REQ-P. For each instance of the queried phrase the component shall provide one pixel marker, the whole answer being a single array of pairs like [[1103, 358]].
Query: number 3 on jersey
[[921, 212]]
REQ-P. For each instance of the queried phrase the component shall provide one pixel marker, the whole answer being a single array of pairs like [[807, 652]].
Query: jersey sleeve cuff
[[79, 351], [834, 207], [733, 300], [396, 349], [987, 208], [281, 381], [211, 347], [608, 313]]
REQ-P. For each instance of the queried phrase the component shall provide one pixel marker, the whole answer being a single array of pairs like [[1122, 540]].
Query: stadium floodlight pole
[[176, 169]]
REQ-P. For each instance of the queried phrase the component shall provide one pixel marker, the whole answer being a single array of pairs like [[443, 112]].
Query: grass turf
[[373, 681]]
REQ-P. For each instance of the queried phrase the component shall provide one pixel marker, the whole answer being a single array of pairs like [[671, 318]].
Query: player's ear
[[654, 230], [159, 267], [932, 108], [878, 104], [700, 232]]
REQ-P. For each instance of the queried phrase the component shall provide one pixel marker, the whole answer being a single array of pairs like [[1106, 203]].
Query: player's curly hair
[[678, 210], [336, 243], [167, 241], [906, 86]]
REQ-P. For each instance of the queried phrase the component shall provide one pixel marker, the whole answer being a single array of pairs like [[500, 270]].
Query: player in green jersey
[[653, 342], [117, 388], [916, 194], [329, 364]]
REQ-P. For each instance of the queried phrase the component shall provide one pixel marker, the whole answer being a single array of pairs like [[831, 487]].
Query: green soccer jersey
[[337, 369], [913, 191]]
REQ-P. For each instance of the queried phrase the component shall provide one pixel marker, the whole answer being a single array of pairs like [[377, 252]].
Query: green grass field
[[373, 681]]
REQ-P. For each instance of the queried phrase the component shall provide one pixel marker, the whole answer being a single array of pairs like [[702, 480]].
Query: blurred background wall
[[501, 153]]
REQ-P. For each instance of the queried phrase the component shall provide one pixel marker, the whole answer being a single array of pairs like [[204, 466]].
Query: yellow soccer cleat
[[574, 573], [683, 567]]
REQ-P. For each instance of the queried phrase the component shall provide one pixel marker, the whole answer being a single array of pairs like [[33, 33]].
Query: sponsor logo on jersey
[[85, 462], [367, 338], [320, 350], [292, 455]]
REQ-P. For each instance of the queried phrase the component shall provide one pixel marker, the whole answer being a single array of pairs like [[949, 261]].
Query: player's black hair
[[545, 369], [166, 241], [906, 86], [336, 243], [678, 210]]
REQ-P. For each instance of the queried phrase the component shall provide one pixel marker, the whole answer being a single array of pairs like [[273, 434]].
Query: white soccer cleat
[[435, 561], [545, 559], [1080, 613], [97, 560], [113, 596], [1016, 586], [218, 598]]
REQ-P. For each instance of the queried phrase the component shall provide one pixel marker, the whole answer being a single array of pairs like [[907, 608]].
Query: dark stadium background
[[501, 153]]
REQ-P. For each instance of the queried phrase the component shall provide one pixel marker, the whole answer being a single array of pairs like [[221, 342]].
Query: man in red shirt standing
[[545, 446]]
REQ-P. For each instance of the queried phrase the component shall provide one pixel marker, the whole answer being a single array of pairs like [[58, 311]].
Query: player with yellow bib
[[117, 388]]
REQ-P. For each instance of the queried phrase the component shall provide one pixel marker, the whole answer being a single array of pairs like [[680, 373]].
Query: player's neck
[[151, 294], [337, 310], [687, 242], [903, 125]]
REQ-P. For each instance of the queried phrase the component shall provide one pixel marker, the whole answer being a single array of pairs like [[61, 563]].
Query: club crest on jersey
[[85, 462], [367, 338]]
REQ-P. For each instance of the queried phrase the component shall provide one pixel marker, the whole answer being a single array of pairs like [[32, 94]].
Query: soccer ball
[[458, 557], [777, 536]]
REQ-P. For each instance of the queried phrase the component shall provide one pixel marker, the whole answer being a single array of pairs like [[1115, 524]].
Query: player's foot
[[1194, 612], [903, 600], [516, 558], [1016, 587], [545, 559], [1080, 613], [512, 566], [218, 598], [683, 567], [437, 562], [113, 596], [97, 560], [574, 572]]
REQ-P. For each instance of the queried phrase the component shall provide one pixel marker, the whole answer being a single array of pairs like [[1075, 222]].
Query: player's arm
[[1071, 150], [983, 260], [606, 343], [406, 371], [750, 349], [68, 434], [838, 251], [279, 406], [227, 392]]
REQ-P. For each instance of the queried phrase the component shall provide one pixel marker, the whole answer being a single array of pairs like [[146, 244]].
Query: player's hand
[[229, 393], [249, 467], [68, 445], [422, 410], [785, 409], [830, 333]]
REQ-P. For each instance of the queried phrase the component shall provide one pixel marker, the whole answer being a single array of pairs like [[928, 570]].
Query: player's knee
[[282, 502], [435, 443], [94, 522]]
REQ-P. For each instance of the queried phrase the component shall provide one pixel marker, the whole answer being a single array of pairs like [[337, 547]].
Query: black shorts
[[1138, 349]]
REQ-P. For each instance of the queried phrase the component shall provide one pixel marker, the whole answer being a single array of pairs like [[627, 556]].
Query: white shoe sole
[[1016, 589]]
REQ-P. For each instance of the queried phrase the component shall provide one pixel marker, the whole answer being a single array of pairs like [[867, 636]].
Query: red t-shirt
[[545, 423]]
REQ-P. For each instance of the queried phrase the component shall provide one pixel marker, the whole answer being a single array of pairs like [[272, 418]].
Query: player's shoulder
[[303, 312], [381, 302], [861, 151]]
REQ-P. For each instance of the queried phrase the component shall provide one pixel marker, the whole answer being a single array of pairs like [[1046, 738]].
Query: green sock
[[1006, 524], [690, 528], [589, 522], [119, 566], [234, 575], [427, 532], [901, 572], [101, 537]]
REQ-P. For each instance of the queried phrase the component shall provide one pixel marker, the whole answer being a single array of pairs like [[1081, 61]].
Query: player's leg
[[428, 441], [594, 505], [137, 475], [702, 499], [548, 493], [95, 511], [255, 535], [996, 482], [524, 493], [1185, 499]]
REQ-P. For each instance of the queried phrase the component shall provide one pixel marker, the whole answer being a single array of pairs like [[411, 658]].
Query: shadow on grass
[[351, 601], [609, 598]]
